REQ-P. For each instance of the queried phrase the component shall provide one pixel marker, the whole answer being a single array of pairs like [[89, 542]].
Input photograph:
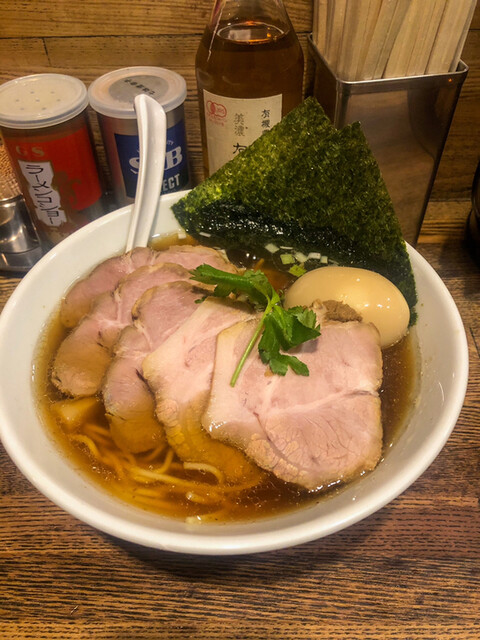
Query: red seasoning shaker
[[45, 129]]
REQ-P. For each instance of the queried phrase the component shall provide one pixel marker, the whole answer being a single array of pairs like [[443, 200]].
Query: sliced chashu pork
[[313, 430], [107, 275], [128, 401], [84, 355], [179, 373]]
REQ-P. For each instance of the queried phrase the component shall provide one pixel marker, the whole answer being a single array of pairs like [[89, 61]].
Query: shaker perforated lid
[[113, 94], [41, 100]]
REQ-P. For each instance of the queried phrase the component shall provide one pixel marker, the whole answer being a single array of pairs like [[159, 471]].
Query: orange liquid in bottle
[[247, 60]]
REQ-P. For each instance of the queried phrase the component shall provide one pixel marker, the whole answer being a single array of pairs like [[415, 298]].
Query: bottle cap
[[113, 94], [41, 100]]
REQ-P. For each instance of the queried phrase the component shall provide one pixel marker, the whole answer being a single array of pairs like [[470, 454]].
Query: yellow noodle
[[83, 439], [192, 496], [179, 490], [154, 453], [158, 496], [208, 468], [156, 485], [128, 458], [160, 477], [99, 440], [98, 429], [176, 466], [150, 492], [106, 458], [154, 502], [111, 461], [166, 463], [175, 484]]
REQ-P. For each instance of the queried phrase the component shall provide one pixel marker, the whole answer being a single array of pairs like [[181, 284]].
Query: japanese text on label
[[45, 197]]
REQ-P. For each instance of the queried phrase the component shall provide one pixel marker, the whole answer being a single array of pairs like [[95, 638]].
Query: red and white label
[[60, 175], [44, 195], [232, 124]]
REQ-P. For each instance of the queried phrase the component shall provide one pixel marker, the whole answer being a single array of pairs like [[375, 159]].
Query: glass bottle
[[249, 70]]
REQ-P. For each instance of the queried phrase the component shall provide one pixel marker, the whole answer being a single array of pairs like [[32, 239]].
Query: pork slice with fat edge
[[129, 403], [312, 431], [84, 355], [107, 275], [179, 373]]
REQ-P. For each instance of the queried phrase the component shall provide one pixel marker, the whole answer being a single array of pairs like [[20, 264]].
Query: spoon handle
[[152, 133]]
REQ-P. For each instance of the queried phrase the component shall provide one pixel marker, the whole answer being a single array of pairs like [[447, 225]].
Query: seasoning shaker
[[45, 128], [112, 98]]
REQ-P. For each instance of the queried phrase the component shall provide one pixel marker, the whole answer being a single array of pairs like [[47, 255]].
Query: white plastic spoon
[[152, 133]]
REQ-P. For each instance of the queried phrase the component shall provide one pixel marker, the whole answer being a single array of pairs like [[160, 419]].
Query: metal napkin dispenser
[[406, 122]]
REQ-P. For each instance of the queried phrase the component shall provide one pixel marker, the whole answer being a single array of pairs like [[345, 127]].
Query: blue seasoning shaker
[[112, 97]]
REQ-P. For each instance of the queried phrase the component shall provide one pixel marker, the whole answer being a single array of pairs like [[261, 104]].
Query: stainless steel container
[[406, 122], [19, 244]]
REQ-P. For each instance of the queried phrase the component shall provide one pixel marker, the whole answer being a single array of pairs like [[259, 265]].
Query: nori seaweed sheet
[[307, 185]]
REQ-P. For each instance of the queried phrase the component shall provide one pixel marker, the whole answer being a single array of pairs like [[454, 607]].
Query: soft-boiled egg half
[[372, 296]]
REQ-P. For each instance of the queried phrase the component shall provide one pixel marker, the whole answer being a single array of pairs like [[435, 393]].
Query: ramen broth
[[158, 480]]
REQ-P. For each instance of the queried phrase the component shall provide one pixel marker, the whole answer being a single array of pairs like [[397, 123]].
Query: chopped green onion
[[300, 257], [297, 270], [271, 248], [287, 258]]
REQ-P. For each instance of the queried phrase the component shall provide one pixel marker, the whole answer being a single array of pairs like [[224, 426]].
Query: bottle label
[[59, 176], [175, 176], [232, 124], [41, 188]]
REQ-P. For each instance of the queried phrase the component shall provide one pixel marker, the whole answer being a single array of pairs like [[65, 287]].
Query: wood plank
[[476, 17], [78, 627], [120, 17], [102, 17], [461, 153], [23, 52], [91, 56], [114, 52]]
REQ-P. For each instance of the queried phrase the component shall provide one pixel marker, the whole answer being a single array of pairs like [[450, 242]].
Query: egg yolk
[[372, 296]]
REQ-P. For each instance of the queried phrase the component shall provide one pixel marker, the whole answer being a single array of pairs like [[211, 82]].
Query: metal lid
[[113, 94], [41, 100]]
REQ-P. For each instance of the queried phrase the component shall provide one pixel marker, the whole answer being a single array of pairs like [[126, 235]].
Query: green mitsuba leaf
[[281, 329]]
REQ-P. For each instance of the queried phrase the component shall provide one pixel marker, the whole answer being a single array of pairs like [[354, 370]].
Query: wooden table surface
[[409, 572]]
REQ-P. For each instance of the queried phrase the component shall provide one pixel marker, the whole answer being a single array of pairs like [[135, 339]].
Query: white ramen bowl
[[444, 362]]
